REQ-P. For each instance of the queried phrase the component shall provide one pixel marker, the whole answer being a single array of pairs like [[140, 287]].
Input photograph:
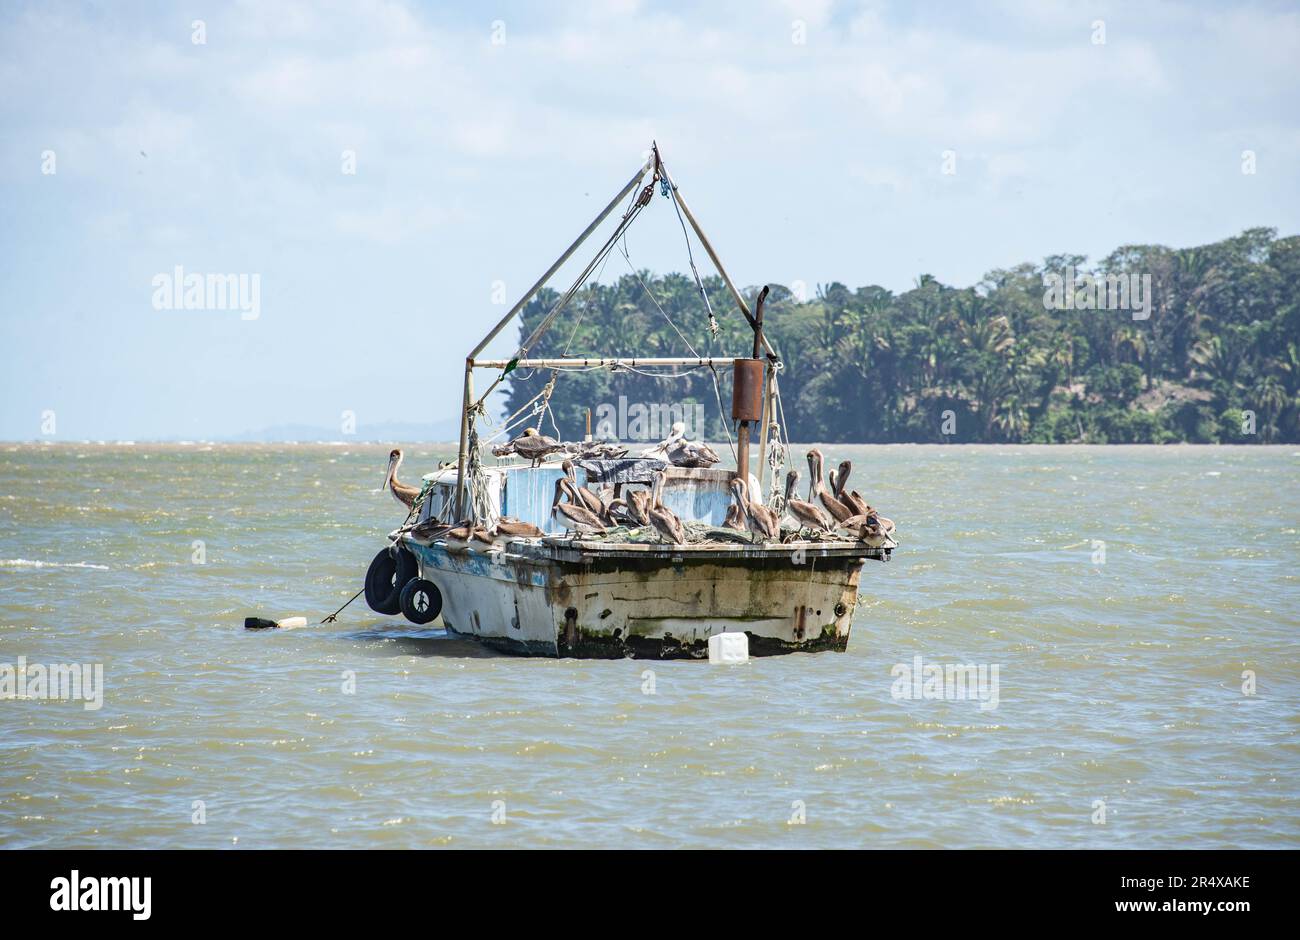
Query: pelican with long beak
[[573, 515], [762, 521], [663, 519], [683, 453], [840, 486], [401, 492], [818, 491], [586, 496], [808, 515]]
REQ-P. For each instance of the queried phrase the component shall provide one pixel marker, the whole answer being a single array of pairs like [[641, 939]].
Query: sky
[[392, 175]]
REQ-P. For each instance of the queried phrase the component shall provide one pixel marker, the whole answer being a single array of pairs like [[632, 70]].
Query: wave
[[26, 563]]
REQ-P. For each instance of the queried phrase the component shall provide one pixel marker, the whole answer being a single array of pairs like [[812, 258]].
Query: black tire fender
[[389, 572], [421, 601]]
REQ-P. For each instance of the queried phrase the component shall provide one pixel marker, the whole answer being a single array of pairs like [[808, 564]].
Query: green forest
[[1216, 358]]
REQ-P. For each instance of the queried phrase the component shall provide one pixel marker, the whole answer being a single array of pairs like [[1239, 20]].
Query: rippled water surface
[[1122, 592]]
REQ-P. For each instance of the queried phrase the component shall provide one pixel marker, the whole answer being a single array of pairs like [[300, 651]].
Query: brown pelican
[[817, 489], [840, 484], [430, 530], [808, 515], [762, 521], [668, 526], [573, 515], [465, 532], [513, 528], [482, 537], [586, 496], [531, 446], [684, 453], [867, 526], [638, 506], [840, 480], [401, 492]]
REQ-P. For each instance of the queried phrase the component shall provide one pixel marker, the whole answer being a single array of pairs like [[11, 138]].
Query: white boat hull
[[592, 600]]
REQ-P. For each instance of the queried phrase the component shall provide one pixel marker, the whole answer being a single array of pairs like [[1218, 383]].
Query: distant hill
[[1148, 345]]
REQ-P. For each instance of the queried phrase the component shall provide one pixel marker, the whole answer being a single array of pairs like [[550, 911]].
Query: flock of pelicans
[[829, 512], [675, 449]]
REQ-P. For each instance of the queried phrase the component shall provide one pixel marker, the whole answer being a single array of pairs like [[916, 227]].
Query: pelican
[[638, 506], [481, 536], [808, 515], [573, 515], [401, 492], [867, 526], [817, 489], [839, 487], [464, 532], [586, 496], [665, 522], [762, 521], [840, 480], [431, 530], [514, 528], [684, 453], [531, 445], [660, 450]]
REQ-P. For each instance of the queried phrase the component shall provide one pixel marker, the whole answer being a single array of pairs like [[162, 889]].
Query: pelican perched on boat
[[684, 453], [808, 515], [460, 537], [817, 489], [573, 515], [431, 530], [761, 520], [638, 506], [871, 528], [840, 486], [531, 445], [587, 497], [403, 493], [514, 528], [663, 519]]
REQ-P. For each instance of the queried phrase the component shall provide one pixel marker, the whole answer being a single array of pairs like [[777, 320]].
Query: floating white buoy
[[261, 623], [727, 648]]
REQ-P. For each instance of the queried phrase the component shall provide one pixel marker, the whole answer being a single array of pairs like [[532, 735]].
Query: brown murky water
[[1120, 592]]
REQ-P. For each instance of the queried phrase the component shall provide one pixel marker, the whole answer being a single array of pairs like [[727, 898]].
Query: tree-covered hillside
[[1217, 357]]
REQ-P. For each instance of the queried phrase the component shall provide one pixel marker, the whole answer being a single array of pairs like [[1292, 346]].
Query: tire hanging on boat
[[421, 601], [389, 572]]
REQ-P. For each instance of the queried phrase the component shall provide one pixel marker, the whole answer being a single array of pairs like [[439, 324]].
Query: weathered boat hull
[[647, 601]]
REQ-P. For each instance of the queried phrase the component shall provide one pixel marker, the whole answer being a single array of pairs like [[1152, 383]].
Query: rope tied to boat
[[480, 502]]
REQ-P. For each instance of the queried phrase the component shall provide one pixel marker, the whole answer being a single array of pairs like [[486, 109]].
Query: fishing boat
[[584, 549]]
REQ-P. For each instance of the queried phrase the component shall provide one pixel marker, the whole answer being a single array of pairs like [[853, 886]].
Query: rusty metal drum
[[747, 390]]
